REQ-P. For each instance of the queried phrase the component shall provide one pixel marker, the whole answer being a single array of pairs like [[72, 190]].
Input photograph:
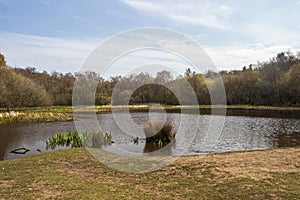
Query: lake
[[194, 135]]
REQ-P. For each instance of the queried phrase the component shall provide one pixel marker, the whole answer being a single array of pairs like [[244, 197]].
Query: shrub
[[158, 133]]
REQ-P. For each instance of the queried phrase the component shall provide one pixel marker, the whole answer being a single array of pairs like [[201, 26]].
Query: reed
[[36, 116], [158, 132], [79, 140]]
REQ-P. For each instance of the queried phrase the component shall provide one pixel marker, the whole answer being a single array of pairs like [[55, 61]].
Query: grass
[[75, 174], [65, 113], [37, 114], [233, 107]]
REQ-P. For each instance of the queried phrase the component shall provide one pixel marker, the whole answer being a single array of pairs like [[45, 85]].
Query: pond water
[[194, 134]]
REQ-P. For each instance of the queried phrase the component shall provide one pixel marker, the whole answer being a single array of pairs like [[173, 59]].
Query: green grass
[[79, 139], [75, 174]]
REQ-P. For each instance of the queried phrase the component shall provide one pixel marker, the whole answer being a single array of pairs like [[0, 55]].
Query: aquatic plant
[[158, 132], [79, 139], [135, 140]]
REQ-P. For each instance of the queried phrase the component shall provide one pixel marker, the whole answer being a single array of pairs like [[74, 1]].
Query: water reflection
[[31, 136], [156, 150], [239, 133]]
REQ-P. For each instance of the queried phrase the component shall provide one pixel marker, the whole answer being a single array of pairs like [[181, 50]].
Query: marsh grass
[[65, 113], [6, 117], [158, 133], [79, 140], [34, 116]]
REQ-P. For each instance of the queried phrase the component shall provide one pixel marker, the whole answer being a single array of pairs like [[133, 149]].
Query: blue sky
[[58, 35]]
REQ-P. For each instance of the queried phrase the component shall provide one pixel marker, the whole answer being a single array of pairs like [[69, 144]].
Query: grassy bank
[[65, 113], [75, 174], [46, 114]]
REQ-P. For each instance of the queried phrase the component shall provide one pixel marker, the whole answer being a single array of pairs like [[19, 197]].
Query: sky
[[59, 35]]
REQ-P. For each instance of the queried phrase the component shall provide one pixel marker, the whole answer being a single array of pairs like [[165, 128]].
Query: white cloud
[[204, 13], [272, 32], [242, 22], [224, 58], [146, 61], [235, 57], [133, 47], [67, 55], [45, 53]]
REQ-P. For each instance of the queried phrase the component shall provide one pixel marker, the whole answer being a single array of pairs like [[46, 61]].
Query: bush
[[158, 133]]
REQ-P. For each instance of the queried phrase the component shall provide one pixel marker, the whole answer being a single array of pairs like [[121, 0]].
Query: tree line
[[273, 83]]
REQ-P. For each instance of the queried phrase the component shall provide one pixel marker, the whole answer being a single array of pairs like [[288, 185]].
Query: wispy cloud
[[67, 55], [235, 57], [45, 53], [46, 2], [81, 19], [203, 12]]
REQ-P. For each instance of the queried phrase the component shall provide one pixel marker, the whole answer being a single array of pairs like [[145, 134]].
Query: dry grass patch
[[75, 174]]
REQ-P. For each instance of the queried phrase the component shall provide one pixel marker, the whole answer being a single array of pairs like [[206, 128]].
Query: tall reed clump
[[79, 139], [158, 132]]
